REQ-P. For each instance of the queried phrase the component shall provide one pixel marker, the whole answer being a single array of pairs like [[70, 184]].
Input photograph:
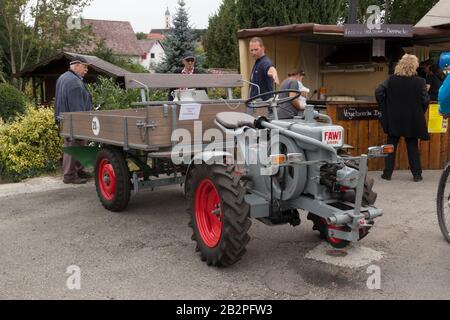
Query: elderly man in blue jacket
[[72, 96]]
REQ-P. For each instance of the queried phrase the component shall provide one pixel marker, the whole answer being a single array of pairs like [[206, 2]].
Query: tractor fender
[[208, 157]]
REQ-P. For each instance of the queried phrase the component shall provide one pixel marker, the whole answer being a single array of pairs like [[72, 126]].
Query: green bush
[[109, 96], [29, 146], [12, 102]]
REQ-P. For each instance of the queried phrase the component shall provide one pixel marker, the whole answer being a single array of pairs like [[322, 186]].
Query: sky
[[145, 15]]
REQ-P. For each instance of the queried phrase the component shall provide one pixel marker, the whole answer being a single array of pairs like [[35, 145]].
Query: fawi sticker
[[334, 138]]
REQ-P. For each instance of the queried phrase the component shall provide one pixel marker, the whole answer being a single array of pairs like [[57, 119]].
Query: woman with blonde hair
[[404, 100]]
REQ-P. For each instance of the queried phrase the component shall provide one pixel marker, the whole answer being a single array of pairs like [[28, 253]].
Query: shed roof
[[97, 64], [318, 32]]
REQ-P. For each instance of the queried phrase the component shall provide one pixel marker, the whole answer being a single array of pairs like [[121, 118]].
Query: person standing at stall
[[291, 109], [264, 74], [434, 78], [404, 100]]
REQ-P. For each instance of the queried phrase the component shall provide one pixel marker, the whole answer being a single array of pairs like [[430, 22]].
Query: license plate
[[334, 138]]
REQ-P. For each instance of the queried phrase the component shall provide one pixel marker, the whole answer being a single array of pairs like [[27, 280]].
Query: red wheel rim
[[107, 179], [208, 213]]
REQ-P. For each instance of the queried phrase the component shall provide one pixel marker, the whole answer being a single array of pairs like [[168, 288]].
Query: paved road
[[146, 253]]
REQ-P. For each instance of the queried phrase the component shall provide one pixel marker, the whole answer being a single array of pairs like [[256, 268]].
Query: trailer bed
[[147, 129]]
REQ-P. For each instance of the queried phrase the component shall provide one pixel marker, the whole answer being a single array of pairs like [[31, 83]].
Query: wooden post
[[42, 91]]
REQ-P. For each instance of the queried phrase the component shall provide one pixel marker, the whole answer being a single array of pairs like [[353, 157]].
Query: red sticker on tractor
[[334, 138]]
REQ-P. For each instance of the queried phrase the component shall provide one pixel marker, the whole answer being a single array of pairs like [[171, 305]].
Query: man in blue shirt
[[72, 96], [264, 73]]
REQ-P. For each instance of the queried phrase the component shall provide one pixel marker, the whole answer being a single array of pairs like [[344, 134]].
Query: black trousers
[[412, 145]]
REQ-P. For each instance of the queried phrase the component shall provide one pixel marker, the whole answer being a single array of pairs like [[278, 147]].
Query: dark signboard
[[385, 31], [349, 113]]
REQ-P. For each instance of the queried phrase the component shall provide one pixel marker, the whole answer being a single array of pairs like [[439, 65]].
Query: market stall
[[343, 73]]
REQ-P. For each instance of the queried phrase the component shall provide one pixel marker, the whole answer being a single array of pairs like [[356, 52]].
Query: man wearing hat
[[188, 61], [72, 96]]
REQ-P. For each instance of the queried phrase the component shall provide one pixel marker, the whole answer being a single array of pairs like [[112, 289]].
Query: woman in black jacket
[[403, 99]]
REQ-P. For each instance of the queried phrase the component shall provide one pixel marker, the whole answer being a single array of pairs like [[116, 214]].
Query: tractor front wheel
[[219, 215]]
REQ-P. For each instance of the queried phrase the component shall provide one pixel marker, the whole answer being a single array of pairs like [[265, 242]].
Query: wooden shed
[[45, 74]]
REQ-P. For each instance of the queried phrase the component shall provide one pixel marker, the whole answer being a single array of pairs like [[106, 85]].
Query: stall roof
[[326, 33], [439, 16], [99, 65]]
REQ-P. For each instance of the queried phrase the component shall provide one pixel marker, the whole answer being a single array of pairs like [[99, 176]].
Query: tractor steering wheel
[[274, 101]]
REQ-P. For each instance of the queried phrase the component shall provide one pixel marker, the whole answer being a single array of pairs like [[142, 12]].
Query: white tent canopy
[[438, 16]]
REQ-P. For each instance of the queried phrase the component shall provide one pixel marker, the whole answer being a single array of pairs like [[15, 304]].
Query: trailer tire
[[219, 215], [112, 179]]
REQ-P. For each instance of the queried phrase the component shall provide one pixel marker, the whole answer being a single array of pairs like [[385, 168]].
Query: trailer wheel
[[219, 215], [112, 179]]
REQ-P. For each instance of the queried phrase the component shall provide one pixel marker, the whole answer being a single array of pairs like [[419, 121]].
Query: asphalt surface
[[147, 252]]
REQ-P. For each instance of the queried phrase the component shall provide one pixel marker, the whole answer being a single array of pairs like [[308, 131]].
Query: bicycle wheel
[[443, 203]]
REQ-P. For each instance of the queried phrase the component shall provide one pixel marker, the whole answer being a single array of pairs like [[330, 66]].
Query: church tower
[[168, 19]]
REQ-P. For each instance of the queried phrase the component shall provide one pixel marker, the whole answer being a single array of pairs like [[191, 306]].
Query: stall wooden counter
[[360, 120]]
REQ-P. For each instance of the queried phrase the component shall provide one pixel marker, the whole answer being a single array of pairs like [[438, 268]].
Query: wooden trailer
[[133, 147]]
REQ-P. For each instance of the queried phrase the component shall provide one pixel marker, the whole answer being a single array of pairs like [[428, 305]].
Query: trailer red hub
[[107, 179], [208, 212]]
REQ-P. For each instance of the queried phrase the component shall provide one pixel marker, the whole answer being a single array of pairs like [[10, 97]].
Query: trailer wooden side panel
[[148, 129]]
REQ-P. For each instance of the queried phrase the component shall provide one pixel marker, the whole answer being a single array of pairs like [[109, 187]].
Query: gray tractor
[[274, 169]]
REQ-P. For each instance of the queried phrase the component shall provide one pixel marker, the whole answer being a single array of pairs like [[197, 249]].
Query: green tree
[[2, 73], [179, 41], [409, 11], [221, 41], [141, 36], [221, 38], [399, 11], [33, 29]]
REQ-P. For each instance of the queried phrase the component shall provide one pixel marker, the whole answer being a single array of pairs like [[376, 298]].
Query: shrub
[[109, 96], [12, 102], [30, 146]]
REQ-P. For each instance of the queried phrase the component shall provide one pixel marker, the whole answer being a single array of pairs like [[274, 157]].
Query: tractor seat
[[235, 120]]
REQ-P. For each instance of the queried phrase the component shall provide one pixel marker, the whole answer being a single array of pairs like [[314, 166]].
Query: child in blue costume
[[444, 96]]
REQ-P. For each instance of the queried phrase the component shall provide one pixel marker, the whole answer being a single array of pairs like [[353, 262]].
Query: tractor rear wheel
[[112, 179], [219, 215]]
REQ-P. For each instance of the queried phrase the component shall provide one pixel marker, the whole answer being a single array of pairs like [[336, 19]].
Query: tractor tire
[[219, 215], [112, 179]]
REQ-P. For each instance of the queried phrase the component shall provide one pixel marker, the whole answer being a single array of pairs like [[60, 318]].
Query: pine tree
[[179, 41]]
